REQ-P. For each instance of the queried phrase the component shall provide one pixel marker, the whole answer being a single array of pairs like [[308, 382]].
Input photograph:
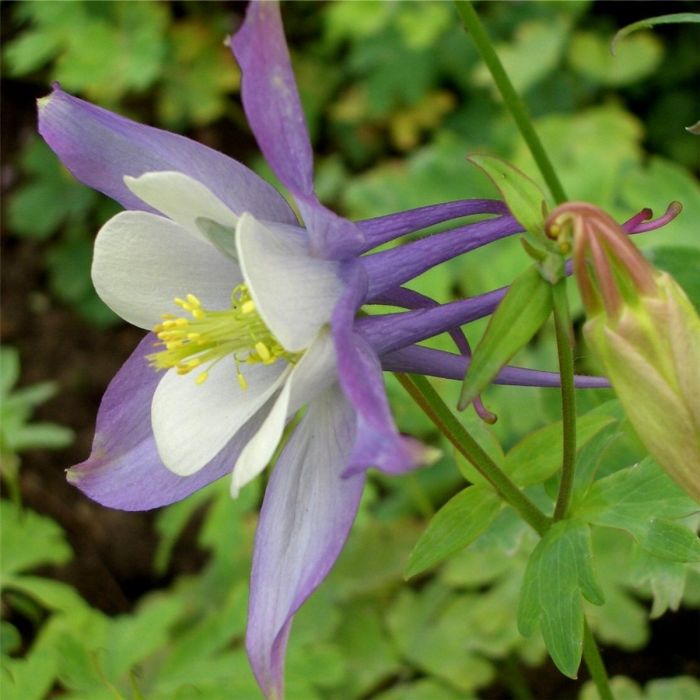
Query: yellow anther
[[263, 352], [199, 314], [248, 307], [242, 381], [194, 336], [193, 301], [201, 377], [181, 322], [173, 345]]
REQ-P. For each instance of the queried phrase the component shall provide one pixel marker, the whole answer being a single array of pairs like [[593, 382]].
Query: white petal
[[315, 371], [180, 198], [192, 423], [143, 261], [295, 293], [313, 374], [260, 448]]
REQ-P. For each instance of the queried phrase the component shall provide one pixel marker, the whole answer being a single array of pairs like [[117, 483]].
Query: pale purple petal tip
[[124, 470], [100, 148], [271, 99], [305, 519]]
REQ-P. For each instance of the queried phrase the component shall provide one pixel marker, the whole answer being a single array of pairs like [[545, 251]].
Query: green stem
[[512, 100], [435, 408], [596, 668], [562, 325]]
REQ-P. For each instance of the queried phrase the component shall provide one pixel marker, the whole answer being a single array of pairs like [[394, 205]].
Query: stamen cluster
[[210, 336]]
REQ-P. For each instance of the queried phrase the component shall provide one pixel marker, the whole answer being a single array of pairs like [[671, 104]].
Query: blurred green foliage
[[17, 430], [395, 98]]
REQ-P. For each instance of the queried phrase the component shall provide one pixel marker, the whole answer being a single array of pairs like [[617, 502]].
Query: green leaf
[[368, 652], [51, 595], [638, 58], [428, 630], [9, 369], [126, 51], [30, 51], [670, 540], [531, 55], [521, 313], [456, 525], [424, 689], [41, 436], [524, 198], [558, 574], [644, 501], [10, 638], [28, 540], [30, 678], [649, 22], [199, 74], [537, 456]]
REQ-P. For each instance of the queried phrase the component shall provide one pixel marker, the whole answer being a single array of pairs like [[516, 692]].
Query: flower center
[[209, 336]]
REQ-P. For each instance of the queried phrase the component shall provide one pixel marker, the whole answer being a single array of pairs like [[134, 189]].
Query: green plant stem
[[562, 325], [435, 408], [512, 100], [594, 663], [422, 392]]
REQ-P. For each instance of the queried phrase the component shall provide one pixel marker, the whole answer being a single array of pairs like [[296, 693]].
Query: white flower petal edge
[[294, 293], [312, 375], [192, 423], [260, 448], [143, 261], [181, 199]]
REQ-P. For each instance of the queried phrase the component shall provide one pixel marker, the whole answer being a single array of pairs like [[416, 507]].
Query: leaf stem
[[512, 100], [562, 325], [423, 393], [594, 662]]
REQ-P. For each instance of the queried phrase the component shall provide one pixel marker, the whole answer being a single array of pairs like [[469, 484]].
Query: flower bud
[[646, 333]]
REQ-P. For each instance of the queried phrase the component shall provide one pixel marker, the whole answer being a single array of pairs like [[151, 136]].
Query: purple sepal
[[305, 519], [390, 268], [272, 105], [389, 332], [100, 148], [385, 228], [379, 443], [438, 363], [124, 470], [270, 97]]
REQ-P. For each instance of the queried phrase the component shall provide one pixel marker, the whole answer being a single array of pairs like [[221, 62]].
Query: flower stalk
[[422, 392], [512, 100]]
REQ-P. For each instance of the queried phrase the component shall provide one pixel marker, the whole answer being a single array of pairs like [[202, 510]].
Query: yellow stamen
[[263, 352], [207, 337]]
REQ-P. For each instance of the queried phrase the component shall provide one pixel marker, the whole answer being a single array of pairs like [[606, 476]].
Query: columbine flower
[[252, 317], [646, 333]]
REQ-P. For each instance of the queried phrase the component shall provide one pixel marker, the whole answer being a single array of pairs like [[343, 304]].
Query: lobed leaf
[[558, 574]]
